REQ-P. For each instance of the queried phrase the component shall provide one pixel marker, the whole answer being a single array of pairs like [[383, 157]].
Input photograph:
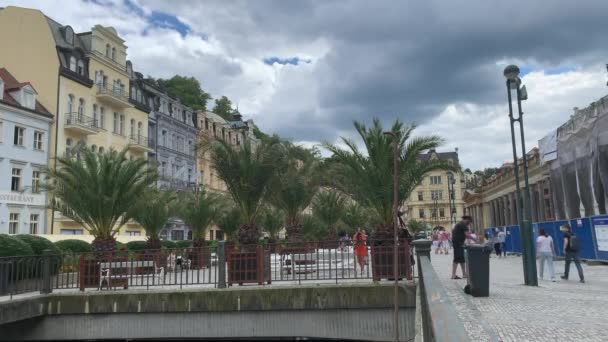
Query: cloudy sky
[[307, 69]]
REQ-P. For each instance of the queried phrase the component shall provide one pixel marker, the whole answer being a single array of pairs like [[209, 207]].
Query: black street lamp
[[511, 73], [452, 199]]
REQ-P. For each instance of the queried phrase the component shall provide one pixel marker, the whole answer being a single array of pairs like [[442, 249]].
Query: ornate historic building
[[495, 203], [437, 200]]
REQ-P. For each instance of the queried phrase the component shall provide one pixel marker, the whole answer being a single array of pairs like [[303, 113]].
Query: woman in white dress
[[544, 252]]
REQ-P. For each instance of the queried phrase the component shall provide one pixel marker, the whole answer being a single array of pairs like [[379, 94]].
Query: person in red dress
[[360, 248]]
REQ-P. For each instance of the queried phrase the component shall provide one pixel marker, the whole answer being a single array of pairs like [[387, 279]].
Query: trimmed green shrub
[[184, 244], [137, 246], [168, 244], [74, 246], [38, 244], [10, 246], [212, 243]]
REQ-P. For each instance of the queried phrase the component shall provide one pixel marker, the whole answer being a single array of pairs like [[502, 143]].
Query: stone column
[[514, 209], [506, 210], [541, 202]]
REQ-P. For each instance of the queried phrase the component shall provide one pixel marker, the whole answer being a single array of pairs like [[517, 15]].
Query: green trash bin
[[477, 258]]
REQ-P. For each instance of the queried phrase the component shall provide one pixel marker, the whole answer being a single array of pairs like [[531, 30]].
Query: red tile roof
[[10, 83]]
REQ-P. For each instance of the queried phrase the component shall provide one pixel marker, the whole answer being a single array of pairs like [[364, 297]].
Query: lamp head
[[523, 93], [511, 72]]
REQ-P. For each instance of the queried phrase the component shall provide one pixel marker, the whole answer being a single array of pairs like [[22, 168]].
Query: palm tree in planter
[[294, 188], [328, 207], [367, 176], [200, 210], [99, 191], [152, 212], [229, 223], [272, 222], [247, 172], [355, 216]]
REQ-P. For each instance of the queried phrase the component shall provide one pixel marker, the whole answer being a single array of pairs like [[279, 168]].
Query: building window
[[100, 149], [34, 223], [38, 135], [70, 104], [435, 179], [115, 127], [93, 148], [206, 124], [133, 233], [436, 195], [35, 181], [441, 212], [189, 176], [164, 138], [133, 96], [68, 146], [163, 168], [29, 100], [81, 110], [108, 50], [16, 179], [102, 117], [421, 213], [69, 35], [113, 54], [13, 223], [140, 128], [211, 234], [132, 128], [122, 124], [80, 67], [434, 212], [73, 63], [420, 196], [95, 122], [19, 136], [70, 231], [177, 235], [190, 147]]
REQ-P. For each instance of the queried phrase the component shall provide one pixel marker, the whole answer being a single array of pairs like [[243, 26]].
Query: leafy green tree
[[328, 207], [312, 228], [247, 172], [415, 226], [355, 216], [100, 191], [272, 222], [229, 222], [187, 89], [367, 176], [153, 212], [294, 187], [200, 210], [223, 108]]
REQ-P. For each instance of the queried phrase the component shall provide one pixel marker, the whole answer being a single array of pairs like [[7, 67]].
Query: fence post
[[423, 248], [46, 271], [221, 264]]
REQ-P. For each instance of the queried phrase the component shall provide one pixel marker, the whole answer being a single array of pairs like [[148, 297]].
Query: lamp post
[[395, 233], [524, 215], [451, 183]]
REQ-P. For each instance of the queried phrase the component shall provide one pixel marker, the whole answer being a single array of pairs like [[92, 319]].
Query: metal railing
[[142, 140], [439, 319], [79, 119], [211, 266], [115, 92]]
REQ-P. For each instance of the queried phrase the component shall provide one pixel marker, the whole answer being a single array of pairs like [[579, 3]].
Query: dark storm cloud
[[405, 58]]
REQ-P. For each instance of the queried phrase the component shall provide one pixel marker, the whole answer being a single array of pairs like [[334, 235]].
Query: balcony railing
[[139, 141], [81, 123], [115, 95]]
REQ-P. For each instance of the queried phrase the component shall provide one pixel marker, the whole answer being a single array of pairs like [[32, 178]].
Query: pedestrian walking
[[571, 249], [545, 251], [436, 243], [497, 243], [502, 238], [360, 248], [460, 233], [443, 241]]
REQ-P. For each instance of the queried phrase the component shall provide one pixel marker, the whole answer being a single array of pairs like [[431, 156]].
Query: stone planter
[[383, 260], [248, 265]]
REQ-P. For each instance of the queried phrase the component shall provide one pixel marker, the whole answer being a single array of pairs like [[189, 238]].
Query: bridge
[[349, 309]]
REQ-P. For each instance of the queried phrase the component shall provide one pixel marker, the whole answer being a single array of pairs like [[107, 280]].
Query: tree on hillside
[[187, 89], [223, 108]]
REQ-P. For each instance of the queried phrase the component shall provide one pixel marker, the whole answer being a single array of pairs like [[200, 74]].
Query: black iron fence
[[211, 266]]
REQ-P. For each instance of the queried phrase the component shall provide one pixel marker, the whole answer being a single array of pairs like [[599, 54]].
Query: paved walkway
[[553, 311]]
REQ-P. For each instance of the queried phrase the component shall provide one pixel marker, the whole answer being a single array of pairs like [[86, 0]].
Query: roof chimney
[[456, 149]]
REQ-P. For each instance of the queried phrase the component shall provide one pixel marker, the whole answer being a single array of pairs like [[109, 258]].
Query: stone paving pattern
[[553, 311]]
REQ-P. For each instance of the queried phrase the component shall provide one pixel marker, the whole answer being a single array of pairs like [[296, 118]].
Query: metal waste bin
[[477, 258]]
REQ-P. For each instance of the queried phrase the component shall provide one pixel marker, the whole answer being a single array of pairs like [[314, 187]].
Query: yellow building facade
[[437, 201], [82, 79]]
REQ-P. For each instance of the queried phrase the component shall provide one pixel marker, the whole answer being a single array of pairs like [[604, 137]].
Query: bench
[[118, 273]]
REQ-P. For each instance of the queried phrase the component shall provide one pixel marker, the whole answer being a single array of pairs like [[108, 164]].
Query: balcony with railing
[[114, 96], [81, 124], [141, 143]]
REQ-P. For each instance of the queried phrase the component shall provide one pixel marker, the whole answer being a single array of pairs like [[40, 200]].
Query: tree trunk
[[200, 254], [383, 234], [153, 243], [104, 245], [249, 234], [294, 233]]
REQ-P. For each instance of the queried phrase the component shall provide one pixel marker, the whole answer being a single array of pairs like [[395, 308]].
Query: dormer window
[[73, 63], [80, 67], [113, 54], [108, 49], [28, 99], [69, 35]]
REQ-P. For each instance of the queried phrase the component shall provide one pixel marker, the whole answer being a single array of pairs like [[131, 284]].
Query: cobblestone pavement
[[553, 311]]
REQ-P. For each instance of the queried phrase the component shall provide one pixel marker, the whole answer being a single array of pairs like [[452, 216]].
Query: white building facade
[[24, 153]]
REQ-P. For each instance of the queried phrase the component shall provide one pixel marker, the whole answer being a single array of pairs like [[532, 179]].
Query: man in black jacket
[[459, 234]]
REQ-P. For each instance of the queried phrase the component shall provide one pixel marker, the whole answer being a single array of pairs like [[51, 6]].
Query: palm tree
[[355, 216], [415, 226], [367, 176], [200, 210], [272, 222], [294, 188], [229, 222], [100, 191], [152, 212], [328, 207], [247, 172]]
